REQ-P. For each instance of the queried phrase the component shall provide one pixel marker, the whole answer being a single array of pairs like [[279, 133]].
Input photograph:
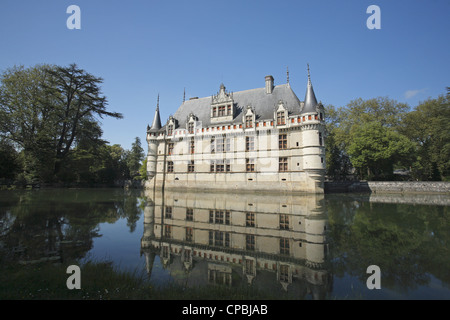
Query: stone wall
[[388, 187]]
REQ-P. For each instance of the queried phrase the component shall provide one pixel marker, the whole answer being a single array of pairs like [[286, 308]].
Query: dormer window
[[249, 121], [191, 127], [222, 106], [281, 119], [280, 113], [171, 125]]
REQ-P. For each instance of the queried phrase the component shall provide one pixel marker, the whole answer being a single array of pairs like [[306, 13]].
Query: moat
[[284, 246]]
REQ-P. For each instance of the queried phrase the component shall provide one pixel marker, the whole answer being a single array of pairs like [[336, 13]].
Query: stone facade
[[275, 242], [262, 139]]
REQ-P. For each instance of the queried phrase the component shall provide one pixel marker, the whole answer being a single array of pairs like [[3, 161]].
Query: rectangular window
[[227, 217], [168, 231], [250, 242], [249, 219], [283, 164], [191, 166], [229, 110], [189, 234], [280, 118], [212, 166], [189, 214], [284, 246], [169, 166], [170, 130], [168, 213], [170, 148], [192, 146], [250, 165], [191, 127], [249, 143], [220, 145], [248, 121], [320, 138], [282, 141], [227, 144], [213, 145], [211, 216], [214, 112], [284, 222], [220, 166], [284, 273], [219, 216], [218, 238], [227, 166]]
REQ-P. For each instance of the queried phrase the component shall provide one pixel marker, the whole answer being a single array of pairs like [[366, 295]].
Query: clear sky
[[142, 48]]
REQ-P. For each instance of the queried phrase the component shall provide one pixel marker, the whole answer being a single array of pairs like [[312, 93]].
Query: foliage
[[143, 170], [135, 157], [376, 148], [428, 126], [376, 136], [46, 110]]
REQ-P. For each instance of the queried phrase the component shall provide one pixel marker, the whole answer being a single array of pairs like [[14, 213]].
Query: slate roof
[[263, 103]]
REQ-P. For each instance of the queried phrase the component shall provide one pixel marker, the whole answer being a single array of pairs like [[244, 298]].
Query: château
[[262, 139]]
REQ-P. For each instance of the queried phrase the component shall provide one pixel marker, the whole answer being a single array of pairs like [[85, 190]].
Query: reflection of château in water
[[270, 242]]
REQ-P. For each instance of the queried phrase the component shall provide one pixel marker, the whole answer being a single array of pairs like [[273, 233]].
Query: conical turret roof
[[310, 97], [156, 125]]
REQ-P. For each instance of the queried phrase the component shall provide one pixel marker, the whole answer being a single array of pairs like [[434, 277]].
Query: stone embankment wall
[[388, 187]]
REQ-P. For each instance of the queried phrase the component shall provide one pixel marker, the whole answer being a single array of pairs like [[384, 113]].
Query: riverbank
[[432, 187]]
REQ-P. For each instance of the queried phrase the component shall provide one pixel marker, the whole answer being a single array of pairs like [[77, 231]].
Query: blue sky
[[142, 48]]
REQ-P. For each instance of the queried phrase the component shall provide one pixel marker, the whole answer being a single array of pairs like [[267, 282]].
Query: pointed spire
[[184, 95], [156, 125], [310, 97], [287, 74]]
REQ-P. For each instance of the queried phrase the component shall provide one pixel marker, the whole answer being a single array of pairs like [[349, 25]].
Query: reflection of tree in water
[[408, 242], [59, 225]]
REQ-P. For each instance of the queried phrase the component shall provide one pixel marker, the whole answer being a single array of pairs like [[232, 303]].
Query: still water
[[300, 247]]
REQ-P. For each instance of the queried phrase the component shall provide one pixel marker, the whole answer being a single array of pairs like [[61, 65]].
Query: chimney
[[269, 84]]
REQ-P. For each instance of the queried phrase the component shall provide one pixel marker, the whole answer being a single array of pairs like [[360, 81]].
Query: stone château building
[[262, 139]]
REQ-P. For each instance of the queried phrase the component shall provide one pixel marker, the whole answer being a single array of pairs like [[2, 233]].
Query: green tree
[[143, 170], [337, 160], [428, 126], [374, 149], [135, 157], [348, 142], [10, 163], [45, 109]]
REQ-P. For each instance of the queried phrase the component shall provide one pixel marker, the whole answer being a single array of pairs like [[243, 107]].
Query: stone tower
[[152, 135], [313, 132]]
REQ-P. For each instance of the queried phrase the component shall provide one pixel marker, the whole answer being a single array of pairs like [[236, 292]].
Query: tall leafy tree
[[46, 110], [428, 125], [374, 149], [78, 97], [135, 156]]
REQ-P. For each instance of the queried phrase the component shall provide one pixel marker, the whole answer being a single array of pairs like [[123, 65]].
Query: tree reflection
[[59, 225], [408, 242]]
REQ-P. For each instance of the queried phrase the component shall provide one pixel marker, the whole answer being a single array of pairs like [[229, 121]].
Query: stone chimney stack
[[269, 84]]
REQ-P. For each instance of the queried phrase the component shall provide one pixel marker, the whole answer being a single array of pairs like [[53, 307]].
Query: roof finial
[[157, 103], [309, 76], [287, 74], [184, 95]]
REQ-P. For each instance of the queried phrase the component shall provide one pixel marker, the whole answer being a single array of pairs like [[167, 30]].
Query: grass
[[101, 281]]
